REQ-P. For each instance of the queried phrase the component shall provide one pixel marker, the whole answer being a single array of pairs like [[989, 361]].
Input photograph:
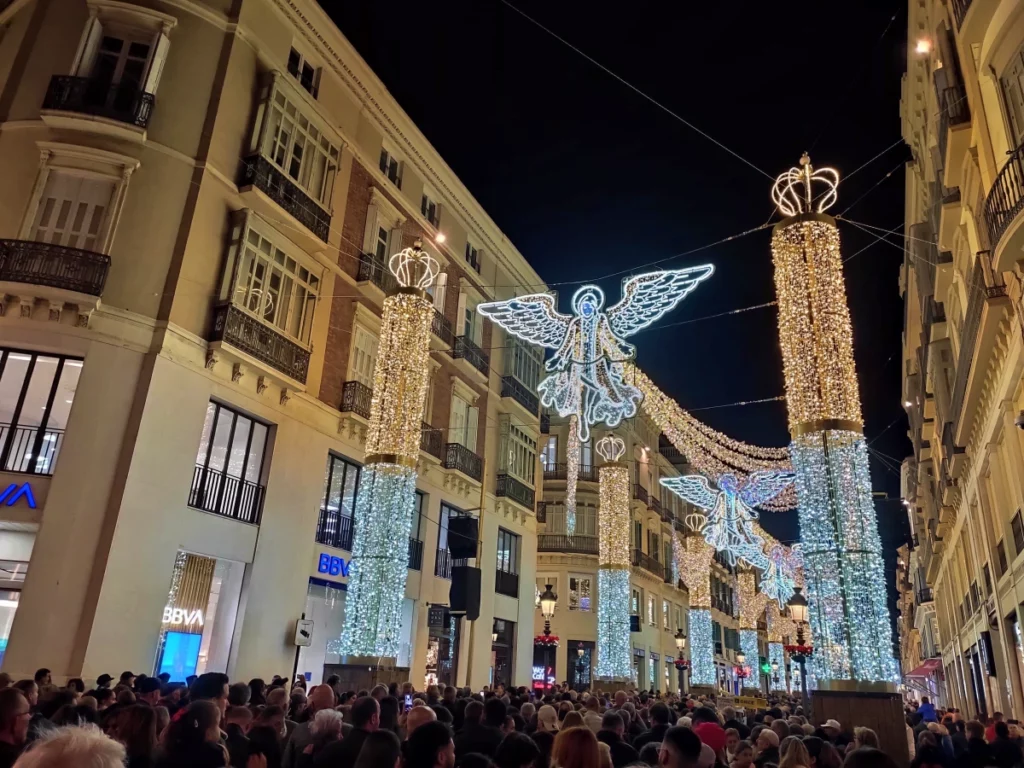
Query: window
[[518, 456], [341, 486], [430, 208], [391, 167], [679, 618], [120, 61], [299, 148], [653, 545], [1012, 82], [463, 422], [364, 356], [508, 552], [273, 285], [988, 579], [123, 50], [1001, 558], [666, 617], [634, 605], [1017, 527], [72, 210], [417, 518], [307, 75], [472, 325], [473, 256], [652, 617], [229, 465], [579, 593], [36, 394], [549, 454], [524, 361]]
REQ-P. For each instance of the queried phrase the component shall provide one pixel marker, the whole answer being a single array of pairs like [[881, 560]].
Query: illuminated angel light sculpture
[[587, 369], [778, 572], [731, 517]]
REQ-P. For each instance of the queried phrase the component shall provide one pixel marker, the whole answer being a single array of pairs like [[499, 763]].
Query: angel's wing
[[533, 318], [645, 298], [694, 489], [764, 486]]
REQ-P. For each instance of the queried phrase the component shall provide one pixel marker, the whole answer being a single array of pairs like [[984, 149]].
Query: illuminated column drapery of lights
[[614, 658], [751, 607], [838, 527], [387, 483], [695, 572], [776, 653], [572, 474]]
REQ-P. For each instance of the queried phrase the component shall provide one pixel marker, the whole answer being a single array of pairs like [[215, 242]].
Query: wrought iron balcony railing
[[545, 423], [506, 583], [241, 330], [1006, 198], [542, 512], [222, 494], [648, 563], [513, 489], [441, 328], [415, 554], [334, 529], [587, 473], [29, 449], [123, 103], [559, 542], [259, 172], [458, 456], [512, 387], [640, 493], [373, 271], [432, 441], [445, 562], [55, 266], [960, 8], [355, 398], [466, 349]]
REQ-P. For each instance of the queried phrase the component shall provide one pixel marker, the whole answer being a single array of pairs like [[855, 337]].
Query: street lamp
[[680, 640], [548, 600], [798, 612], [741, 658]]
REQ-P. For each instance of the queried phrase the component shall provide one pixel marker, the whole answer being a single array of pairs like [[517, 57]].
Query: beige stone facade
[[198, 199]]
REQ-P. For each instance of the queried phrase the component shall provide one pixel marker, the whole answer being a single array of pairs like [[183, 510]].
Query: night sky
[[588, 178]]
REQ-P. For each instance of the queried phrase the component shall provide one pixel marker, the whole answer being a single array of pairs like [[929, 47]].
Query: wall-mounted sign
[[13, 492], [333, 565], [183, 617]]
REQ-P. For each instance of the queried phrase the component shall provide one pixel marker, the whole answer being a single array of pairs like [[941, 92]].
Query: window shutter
[[88, 47], [472, 421], [460, 319], [457, 420], [394, 242], [439, 289], [370, 230], [156, 63]]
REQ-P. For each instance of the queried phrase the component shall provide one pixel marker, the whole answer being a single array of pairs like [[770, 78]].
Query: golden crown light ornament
[[387, 486], [840, 545], [614, 660]]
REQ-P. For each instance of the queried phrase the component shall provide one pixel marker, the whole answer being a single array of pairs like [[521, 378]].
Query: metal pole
[[803, 687]]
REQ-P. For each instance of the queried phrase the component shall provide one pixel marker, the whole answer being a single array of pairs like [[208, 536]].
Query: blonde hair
[[865, 737], [796, 755], [77, 746], [605, 753]]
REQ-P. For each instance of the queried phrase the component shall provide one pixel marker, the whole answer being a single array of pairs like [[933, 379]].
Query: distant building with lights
[[963, 353], [198, 205]]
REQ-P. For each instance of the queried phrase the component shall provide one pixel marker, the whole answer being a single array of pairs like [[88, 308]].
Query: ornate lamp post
[[548, 601], [681, 667], [800, 652], [775, 673]]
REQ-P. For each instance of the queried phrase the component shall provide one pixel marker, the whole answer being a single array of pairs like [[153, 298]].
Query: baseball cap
[[832, 724], [103, 681]]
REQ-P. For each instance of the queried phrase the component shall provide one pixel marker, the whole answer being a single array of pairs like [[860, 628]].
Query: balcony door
[[364, 357], [71, 210], [462, 427]]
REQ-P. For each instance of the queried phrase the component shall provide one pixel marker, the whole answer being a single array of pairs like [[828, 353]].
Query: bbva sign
[[13, 492]]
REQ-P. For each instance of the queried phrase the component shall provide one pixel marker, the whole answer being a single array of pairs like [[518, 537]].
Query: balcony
[[668, 575], [415, 554], [513, 388], [924, 595], [355, 398], [81, 103], [953, 456], [71, 275], [954, 130], [375, 272], [259, 173], [1002, 206], [960, 8], [235, 327], [432, 441], [648, 563], [440, 328], [587, 473], [445, 562], [542, 512], [466, 349], [640, 493], [334, 529], [545, 423], [460, 458], [559, 542], [511, 488], [219, 493], [506, 583], [29, 449]]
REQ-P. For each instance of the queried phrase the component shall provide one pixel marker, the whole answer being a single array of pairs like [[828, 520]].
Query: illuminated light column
[[696, 575], [752, 605], [776, 654], [614, 660], [838, 528], [387, 484]]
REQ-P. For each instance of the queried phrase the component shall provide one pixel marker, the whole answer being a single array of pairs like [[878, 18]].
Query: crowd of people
[[210, 722]]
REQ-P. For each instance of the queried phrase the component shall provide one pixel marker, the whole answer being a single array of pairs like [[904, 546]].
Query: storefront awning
[[925, 670]]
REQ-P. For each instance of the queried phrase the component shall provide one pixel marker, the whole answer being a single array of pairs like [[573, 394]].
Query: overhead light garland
[[841, 548], [387, 494], [614, 660]]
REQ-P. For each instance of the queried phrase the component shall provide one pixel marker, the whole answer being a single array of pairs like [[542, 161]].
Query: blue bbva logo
[[332, 565], [13, 492]]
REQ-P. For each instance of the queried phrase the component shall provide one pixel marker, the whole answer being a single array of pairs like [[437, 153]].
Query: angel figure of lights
[[587, 378], [778, 572], [730, 525]]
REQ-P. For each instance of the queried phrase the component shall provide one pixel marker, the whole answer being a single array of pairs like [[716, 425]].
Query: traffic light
[[766, 668]]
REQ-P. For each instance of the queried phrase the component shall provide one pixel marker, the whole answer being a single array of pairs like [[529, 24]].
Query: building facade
[[200, 199], [569, 565], [963, 118]]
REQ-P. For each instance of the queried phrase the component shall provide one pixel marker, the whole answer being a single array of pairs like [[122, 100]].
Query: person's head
[[1002, 730], [620, 699], [366, 713], [238, 694], [211, 686], [42, 676], [516, 750], [868, 757], [660, 714], [795, 754], [104, 681], [832, 729], [418, 716], [381, 749], [379, 692], [148, 691], [704, 715], [732, 738], [547, 718], [766, 739], [257, 690], [572, 720], [575, 748], [545, 743], [743, 754], [199, 723], [865, 737], [266, 740], [136, 729], [974, 729], [73, 746], [326, 725], [926, 739], [997, 717], [431, 746], [104, 698], [272, 716], [680, 748], [528, 710], [494, 712], [612, 721], [238, 715], [277, 697], [781, 728], [474, 712], [30, 689], [127, 678], [15, 715]]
